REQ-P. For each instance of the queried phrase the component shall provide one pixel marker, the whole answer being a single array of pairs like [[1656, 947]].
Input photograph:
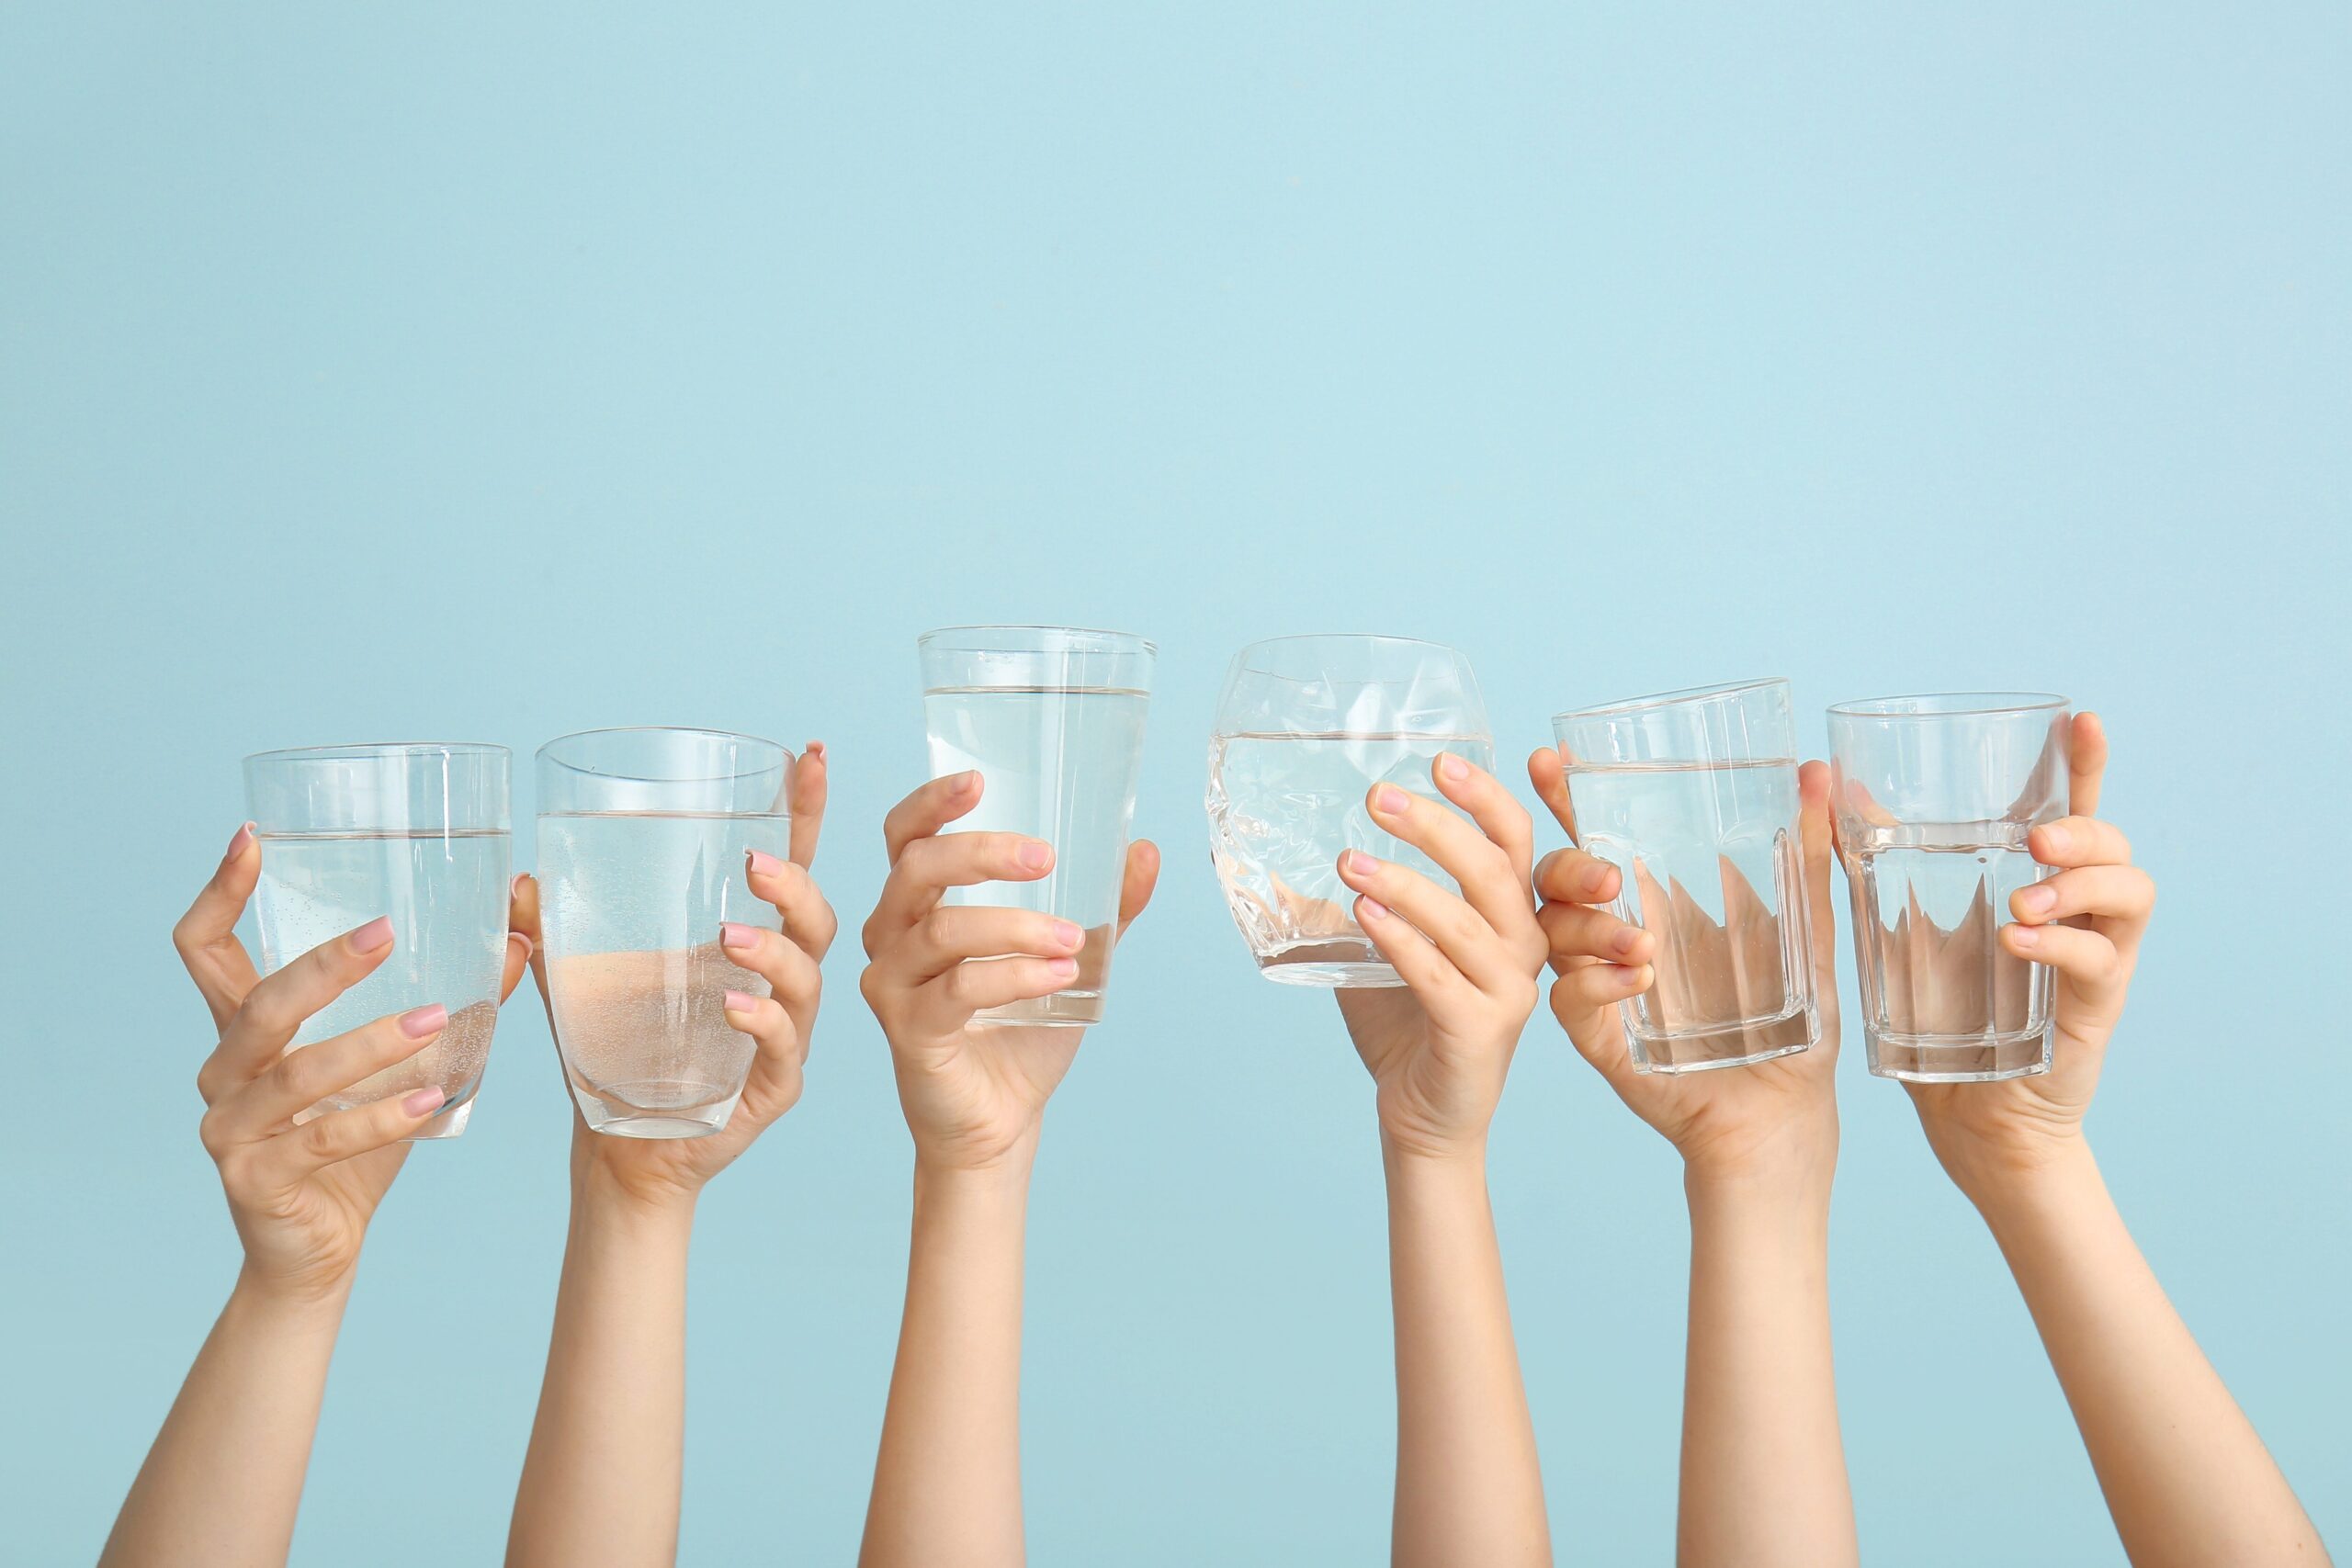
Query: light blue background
[[495, 371]]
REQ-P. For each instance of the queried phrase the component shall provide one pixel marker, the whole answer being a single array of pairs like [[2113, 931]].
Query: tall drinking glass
[[1306, 726], [1934, 797], [643, 840], [1051, 718], [1693, 796], [418, 832]]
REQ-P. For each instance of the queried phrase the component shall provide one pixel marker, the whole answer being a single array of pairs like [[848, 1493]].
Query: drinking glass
[[418, 832], [1934, 797], [1693, 796], [644, 836], [1051, 718], [1306, 726]]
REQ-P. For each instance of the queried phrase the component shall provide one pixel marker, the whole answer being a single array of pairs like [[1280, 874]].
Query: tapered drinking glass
[[1693, 796], [1934, 797], [644, 841], [1305, 727], [416, 832], [1052, 719]]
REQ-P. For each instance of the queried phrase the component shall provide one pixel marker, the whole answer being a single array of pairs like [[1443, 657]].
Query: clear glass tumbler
[[1934, 797], [418, 832], [1693, 796], [1052, 719], [1306, 726], [643, 839]]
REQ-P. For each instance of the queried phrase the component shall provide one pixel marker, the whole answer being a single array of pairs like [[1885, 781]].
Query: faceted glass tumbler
[[1305, 727], [1693, 796], [1934, 797], [644, 836], [418, 832]]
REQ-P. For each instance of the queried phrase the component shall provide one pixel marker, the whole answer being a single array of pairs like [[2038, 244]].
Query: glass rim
[[1105, 641], [353, 751], [1950, 705], [541, 755], [1668, 699], [1242, 659]]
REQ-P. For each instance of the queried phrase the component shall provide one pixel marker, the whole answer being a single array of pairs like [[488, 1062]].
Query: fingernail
[[418, 1022], [2057, 840], [375, 933], [1372, 908], [425, 1101], [1388, 798], [1623, 940], [529, 947], [237, 842], [1062, 968], [2024, 936], [2037, 900], [762, 863], [515, 888], [1067, 933], [738, 1001], [1596, 878], [1035, 855], [815, 749], [1630, 978], [737, 937], [1453, 767], [968, 780], [1360, 864]]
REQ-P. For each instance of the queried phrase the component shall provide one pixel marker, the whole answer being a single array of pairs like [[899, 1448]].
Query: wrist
[[1417, 1153], [2008, 1193], [603, 1201], [289, 1304], [1799, 1175]]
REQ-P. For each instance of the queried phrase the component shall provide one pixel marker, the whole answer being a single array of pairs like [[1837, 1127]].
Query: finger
[[303, 1078], [2084, 956], [2104, 892], [2086, 763], [1481, 866], [1430, 973], [206, 935], [1580, 932], [519, 945], [929, 867], [929, 809], [1581, 999], [948, 936], [2079, 840], [293, 1157], [773, 1087], [1547, 770], [1502, 819], [790, 970], [809, 782], [1817, 843], [278, 1005], [808, 920], [949, 1002], [1461, 933], [1572, 876], [523, 919], [1141, 876]]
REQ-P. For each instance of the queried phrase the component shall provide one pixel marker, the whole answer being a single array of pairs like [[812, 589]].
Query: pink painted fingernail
[[515, 888], [2024, 936], [1372, 908], [1453, 767], [425, 1101], [237, 841], [375, 933], [1062, 968], [529, 947], [2037, 900], [1067, 933], [737, 937], [1035, 856], [1361, 863], [1388, 798], [762, 863], [740, 1001], [418, 1022]]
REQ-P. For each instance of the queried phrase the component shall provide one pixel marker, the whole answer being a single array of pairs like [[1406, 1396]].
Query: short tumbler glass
[[644, 839], [418, 832], [1306, 726], [1052, 719], [1934, 797], [1693, 796]]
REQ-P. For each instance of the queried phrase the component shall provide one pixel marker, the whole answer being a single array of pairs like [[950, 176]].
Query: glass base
[[1343, 964], [1958, 1058], [655, 1108], [1733, 1045], [448, 1122], [1071, 1010]]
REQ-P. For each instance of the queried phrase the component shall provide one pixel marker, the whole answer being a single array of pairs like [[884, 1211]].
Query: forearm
[[1763, 1466], [1468, 1486], [602, 1480], [222, 1483], [2187, 1478], [947, 1482]]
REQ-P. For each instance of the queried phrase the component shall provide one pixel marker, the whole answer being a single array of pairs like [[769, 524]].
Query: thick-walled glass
[[1305, 727], [1052, 719], [1934, 797], [644, 839], [417, 831], [1693, 796]]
